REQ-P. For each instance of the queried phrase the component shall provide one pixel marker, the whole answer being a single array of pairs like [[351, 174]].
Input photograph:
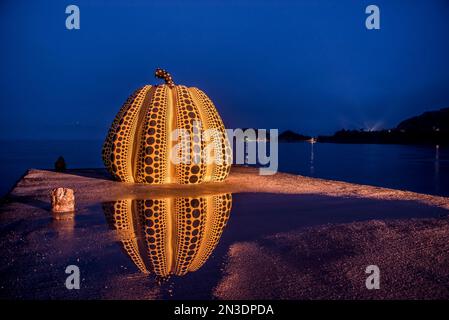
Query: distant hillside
[[290, 136], [427, 122], [429, 128]]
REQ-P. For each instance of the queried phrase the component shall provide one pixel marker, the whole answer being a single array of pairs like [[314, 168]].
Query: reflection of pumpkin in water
[[170, 235]]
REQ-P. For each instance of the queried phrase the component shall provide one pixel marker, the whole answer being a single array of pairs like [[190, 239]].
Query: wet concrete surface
[[275, 243]]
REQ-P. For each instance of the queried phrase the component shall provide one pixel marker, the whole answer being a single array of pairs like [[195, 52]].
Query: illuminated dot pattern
[[118, 218], [138, 145], [192, 167], [222, 150], [154, 217], [152, 155], [217, 223], [107, 146], [123, 138], [162, 74], [179, 233], [190, 228]]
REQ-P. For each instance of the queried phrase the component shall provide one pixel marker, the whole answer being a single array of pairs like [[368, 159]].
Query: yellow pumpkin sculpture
[[140, 144], [169, 236]]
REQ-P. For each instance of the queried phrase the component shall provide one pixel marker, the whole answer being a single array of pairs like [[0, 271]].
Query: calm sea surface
[[422, 169]]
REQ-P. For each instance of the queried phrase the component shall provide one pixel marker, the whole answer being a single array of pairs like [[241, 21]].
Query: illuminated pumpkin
[[169, 236], [140, 145]]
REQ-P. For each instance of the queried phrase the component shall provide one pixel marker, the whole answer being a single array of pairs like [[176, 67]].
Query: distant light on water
[[437, 168]]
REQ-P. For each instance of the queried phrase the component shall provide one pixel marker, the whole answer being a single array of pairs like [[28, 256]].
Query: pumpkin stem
[[162, 74]]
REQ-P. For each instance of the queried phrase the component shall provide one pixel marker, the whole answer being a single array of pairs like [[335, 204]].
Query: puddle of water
[[169, 237], [166, 248]]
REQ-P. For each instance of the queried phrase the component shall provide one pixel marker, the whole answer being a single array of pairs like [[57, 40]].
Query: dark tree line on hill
[[429, 128]]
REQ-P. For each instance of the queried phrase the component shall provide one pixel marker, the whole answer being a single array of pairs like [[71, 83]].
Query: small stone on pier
[[62, 200]]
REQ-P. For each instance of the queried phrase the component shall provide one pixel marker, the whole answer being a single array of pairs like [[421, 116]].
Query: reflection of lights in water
[[312, 156], [64, 223], [437, 168], [169, 236], [246, 140]]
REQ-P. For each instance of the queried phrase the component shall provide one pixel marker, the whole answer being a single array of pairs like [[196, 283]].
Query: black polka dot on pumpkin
[[196, 213], [195, 203], [195, 169]]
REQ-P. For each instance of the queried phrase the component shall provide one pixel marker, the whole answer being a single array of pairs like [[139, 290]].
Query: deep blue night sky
[[310, 66]]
